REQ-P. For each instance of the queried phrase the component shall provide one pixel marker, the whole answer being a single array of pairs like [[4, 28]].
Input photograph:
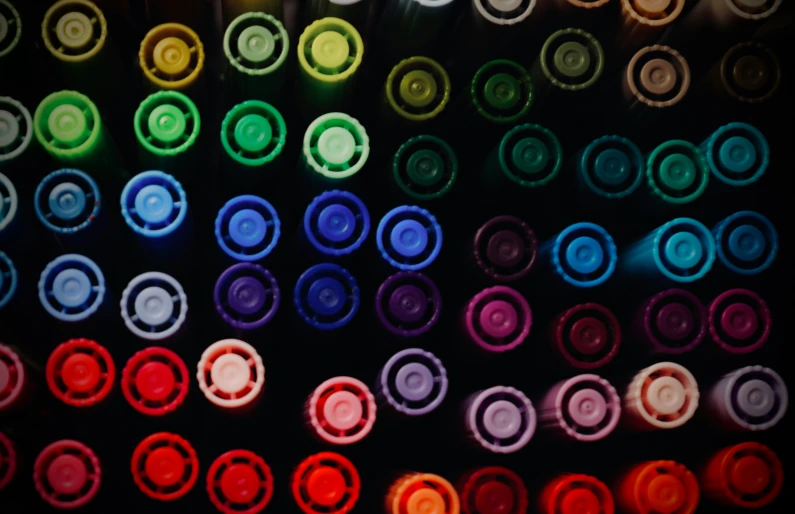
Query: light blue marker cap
[[71, 288], [154, 306], [67, 201], [738, 154], [154, 204], [409, 238], [747, 242], [8, 279], [247, 228], [584, 255]]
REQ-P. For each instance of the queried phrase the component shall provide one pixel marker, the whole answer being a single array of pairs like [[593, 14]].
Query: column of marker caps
[[492, 490], [171, 56], [586, 336], [231, 374], [67, 474], [584, 408], [412, 27], [505, 249], [748, 73], [570, 61], [408, 304], [411, 493], [662, 396], [80, 373], [13, 51], [167, 125], [355, 12], [645, 21], [416, 90], [610, 168], [528, 156], [17, 135], [231, 9], [14, 389], [673, 321], [739, 321]]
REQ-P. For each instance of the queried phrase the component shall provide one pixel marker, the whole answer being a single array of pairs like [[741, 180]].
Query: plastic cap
[[67, 124], [754, 397], [498, 319], [10, 28], [330, 50], [572, 59], [341, 410], [154, 204], [171, 56], [326, 296], [584, 255], [231, 373], [336, 146], [16, 125], [67, 474], [493, 490], [324, 483], [585, 407], [239, 481], [505, 248], [501, 91], [8, 461], [67, 201], [413, 382], [576, 494], [71, 288], [247, 228], [530, 155], [747, 242], [256, 44], [755, 10], [336, 223], [167, 123], [684, 250], [588, 335], [155, 381], [253, 133], [408, 304], [8, 202], [80, 372], [79, 28], [677, 172], [660, 486], [418, 89], [738, 154], [8, 279], [500, 419], [164, 466], [657, 76], [154, 306], [747, 475], [739, 321], [664, 395], [409, 238], [12, 377], [652, 13], [422, 493], [674, 321], [750, 72], [247, 296]]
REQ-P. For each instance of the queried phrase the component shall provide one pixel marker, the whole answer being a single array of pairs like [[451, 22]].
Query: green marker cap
[[418, 88], [501, 91], [677, 171], [572, 59], [256, 44], [10, 28], [425, 167], [253, 133], [330, 50], [336, 145], [167, 123], [16, 128], [530, 155], [67, 124]]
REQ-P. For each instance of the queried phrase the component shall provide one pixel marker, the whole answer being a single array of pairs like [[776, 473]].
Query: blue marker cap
[[326, 296], [737, 153], [154, 204], [336, 223], [409, 238], [154, 306], [247, 228], [747, 242], [71, 287], [8, 202], [584, 254], [67, 201], [611, 166], [8, 279]]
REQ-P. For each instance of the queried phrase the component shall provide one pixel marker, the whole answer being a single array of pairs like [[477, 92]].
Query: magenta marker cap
[[673, 321], [587, 335], [739, 321], [412, 382], [500, 419], [408, 304], [498, 319], [505, 248], [750, 398], [584, 408], [246, 296]]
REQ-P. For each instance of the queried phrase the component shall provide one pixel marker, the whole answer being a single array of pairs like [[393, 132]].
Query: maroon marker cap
[[505, 248], [673, 321], [739, 321], [587, 335]]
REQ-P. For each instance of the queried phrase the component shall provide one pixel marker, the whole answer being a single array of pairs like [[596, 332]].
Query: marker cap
[[171, 56], [737, 153], [16, 125], [683, 250], [750, 72], [10, 28], [8, 280], [167, 124], [747, 243], [418, 89], [239, 481], [67, 474], [341, 411], [661, 486], [247, 228], [422, 493], [584, 408], [246, 296], [256, 44], [505, 248], [739, 321], [155, 381], [504, 12], [673, 321], [231, 374], [71, 288], [67, 124], [12, 377], [662, 396], [747, 475], [584, 255], [408, 304], [753, 10], [611, 167], [336, 223], [750, 399], [164, 466], [8, 461], [326, 296], [498, 319], [501, 90], [8, 202], [572, 59], [154, 306], [588, 335], [330, 50], [652, 13], [409, 238], [677, 172], [74, 31], [80, 372], [530, 155], [657, 76], [500, 419], [576, 493], [425, 167], [154, 204], [493, 490], [336, 146], [325, 483], [413, 382], [67, 201], [253, 133]]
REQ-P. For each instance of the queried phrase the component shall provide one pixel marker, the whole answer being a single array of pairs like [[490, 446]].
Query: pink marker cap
[[341, 410], [498, 319], [500, 419], [12, 377], [585, 408], [8, 461], [67, 474], [739, 321], [231, 373], [664, 395], [750, 398]]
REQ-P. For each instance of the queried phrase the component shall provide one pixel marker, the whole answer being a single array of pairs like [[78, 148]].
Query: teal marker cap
[[16, 129], [253, 133], [425, 167], [738, 154], [530, 155], [612, 167], [677, 172], [501, 91]]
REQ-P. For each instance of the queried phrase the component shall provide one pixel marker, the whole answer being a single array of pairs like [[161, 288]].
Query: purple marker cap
[[588, 335], [505, 248], [500, 419], [585, 408], [408, 303], [246, 296], [739, 321], [673, 321], [750, 398], [498, 319], [413, 382]]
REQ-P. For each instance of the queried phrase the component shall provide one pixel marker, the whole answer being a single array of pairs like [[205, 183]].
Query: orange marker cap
[[422, 493], [747, 475], [659, 487]]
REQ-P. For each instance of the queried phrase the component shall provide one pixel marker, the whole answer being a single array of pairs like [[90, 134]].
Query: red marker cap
[[576, 494], [67, 474], [747, 475], [8, 461], [155, 381], [659, 486], [240, 482], [341, 410], [325, 483], [493, 490], [164, 466], [12, 377], [422, 493], [80, 372], [588, 335]]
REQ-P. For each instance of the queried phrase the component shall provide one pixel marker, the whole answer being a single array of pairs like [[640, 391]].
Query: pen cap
[[570, 60], [737, 153], [154, 306], [739, 321], [584, 408], [74, 31], [16, 126], [253, 135], [326, 296], [658, 486], [588, 335], [67, 474], [528, 155], [749, 73], [408, 304], [336, 146], [673, 321], [501, 90], [167, 126], [246, 296], [425, 167], [500, 419], [325, 483], [10, 28], [154, 205], [417, 90], [573, 493], [155, 381], [750, 399], [409, 238], [421, 493], [8, 461], [13, 378], [8, 280], [164, 466], [583, 255], [746, 475], [336, 223], [171, 57], [493, 490], [747, 242], [80, 372], [498, 319], [231, 374], [662, 396], [67, 201], [247, 228], [657, 77], [413, 382], [505, 248], [677, 172], [239, 481], [8, 203], [341, 411], [611, 167], [71, 288]]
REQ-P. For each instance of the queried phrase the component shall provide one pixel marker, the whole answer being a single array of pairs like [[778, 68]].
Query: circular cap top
[[505, 5], [652, 6], [425, 501], [739, 321], [247, 295], [247, 228], [325, 486], [749, 475], [167, 123], [256, 44], [67, 201], [494, 498], [164, 466], [155, 381], [751, 73], [580, 501], [253, 132], [230, 373], [74, 30], [154, 306], [327, 296], [418, 88], [80, 373], [584, 255], [71, 287], [675, 321], [240, 483], [336, 222], [587, 408], [409, 238], [9, 129], [684, 250], [505, 248], [343, 410], [67, 123], [588, 335], [737, 154], [747, 243], [658, 76], [498, 319], [572, 59], [171, 55], [678, 171], [330, 50], [666, 494], [336, 145], [425, 167], [530, 155], [67, 474], [756, 398], [414, 381], [612, 166], [666, 395], [408, 303], [154, 204], [502, 91], [502, 419]]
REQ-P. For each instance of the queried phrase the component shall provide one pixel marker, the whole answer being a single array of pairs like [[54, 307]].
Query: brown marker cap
[[657, 76], [750, 72]]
